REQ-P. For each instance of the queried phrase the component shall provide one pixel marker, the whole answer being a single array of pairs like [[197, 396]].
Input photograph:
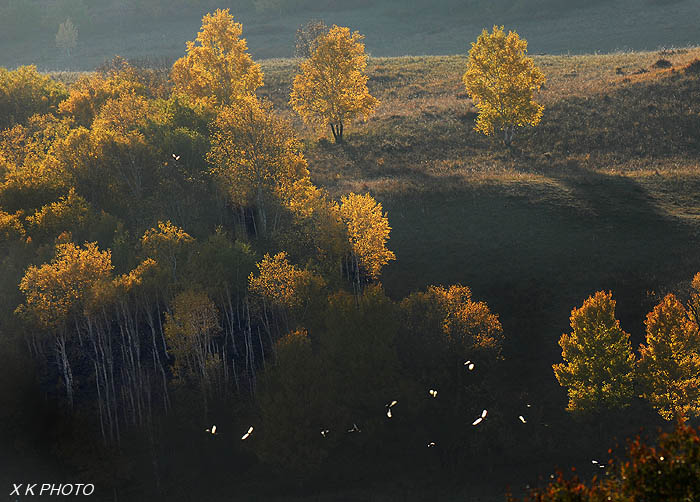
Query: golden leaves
[[669, 366], [332, 86], [278, 281], [256, 153], [598, 359], [502, 80], [368, 232], [54, 291], [217, 70]]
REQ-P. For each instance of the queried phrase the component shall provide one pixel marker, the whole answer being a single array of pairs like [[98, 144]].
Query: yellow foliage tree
[[257, 156], [368, 232], [56, 293], [669, 366], [332, 86], [501, 81], [598, 362], [67, 214], [217, 70], [166, 244]]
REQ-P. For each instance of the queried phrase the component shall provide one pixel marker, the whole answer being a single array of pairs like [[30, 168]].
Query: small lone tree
[[669, 366], [598, 360], [332, 87], [67, 36], [501, 81]]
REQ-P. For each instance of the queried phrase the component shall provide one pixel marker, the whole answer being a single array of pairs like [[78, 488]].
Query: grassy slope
[[391, 27], [603, 195]]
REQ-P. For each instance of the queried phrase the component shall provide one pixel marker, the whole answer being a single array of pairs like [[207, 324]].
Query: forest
[[341, 276]]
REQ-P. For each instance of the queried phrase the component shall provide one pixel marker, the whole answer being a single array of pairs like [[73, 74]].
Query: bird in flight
[[432, 392], [431, 445], [324, 432], [469, 365], [522, 419], [176, 157], [355, 428], [247, 434], [212, 430]]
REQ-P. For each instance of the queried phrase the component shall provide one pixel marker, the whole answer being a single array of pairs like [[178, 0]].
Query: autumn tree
[[598, 359], [67, 36], [25, 92], [669, 364], [257, 156], [55, 294], [217, 69], [167, 244], [331, 88], [282, 290], [501, 81], [367, 232]]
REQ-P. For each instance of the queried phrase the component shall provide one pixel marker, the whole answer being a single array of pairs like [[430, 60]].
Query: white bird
[[466, 363], [388, 412], [594, 461], [529, 405], [432, 392], [247, 434], [477, 421], [522, 419], [484, 413], [471, 366], [431, 444], [324, 432], [212, 430], [355, 428], [392, 404], [176, 157]]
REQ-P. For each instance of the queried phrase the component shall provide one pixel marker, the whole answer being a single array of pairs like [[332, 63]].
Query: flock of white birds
[[432, 392]]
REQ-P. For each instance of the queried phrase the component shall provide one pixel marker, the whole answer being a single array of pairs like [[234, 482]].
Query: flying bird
[[393, 403], [477, 421], [484, 413], [355, 428], [432, 392], [431, 445], [247, 434], [176, 157], [388, 412], [212, 430], [324, 432]]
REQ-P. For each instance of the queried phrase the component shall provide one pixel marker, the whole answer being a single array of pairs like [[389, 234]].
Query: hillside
[[157, 30], [602, 195]]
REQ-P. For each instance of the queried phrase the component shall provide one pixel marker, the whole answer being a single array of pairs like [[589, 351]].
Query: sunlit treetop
[[331, 87], [55, 291], [501, 81], [217, 69]]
